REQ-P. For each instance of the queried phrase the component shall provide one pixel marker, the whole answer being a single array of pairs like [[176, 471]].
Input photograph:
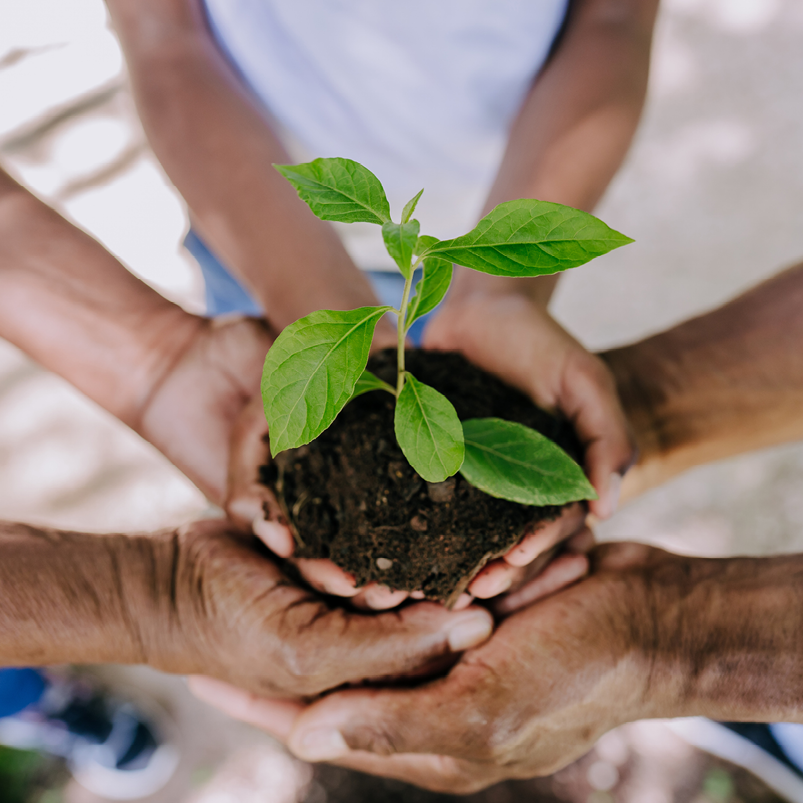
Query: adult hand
[[252, 505], [551, 680], [192, 409], [512, 336], [648, 634], [249, 499], [234, 616]]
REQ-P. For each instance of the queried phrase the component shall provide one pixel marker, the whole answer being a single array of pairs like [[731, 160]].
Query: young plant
[[317, 364]]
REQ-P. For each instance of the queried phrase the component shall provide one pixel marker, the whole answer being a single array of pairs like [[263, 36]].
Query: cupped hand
[[237, 618], [191, 413], [551, 680], [252, 505], [512, 336], [553, 368]]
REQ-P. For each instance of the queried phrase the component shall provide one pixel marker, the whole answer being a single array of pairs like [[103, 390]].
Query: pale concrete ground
[[712, 192]]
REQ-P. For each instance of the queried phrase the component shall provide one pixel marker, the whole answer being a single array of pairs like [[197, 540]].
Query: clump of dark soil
[[352, 497]]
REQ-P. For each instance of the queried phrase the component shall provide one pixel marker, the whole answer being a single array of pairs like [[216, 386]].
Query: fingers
[[272, 715], [386, 722], [532, 552], [589, 399], [546, 536], [378, 598], [276, 537], [437, 773], [324, 648], [563, 571], [277, 717], [326, 577], [248, 450], [494, 579]]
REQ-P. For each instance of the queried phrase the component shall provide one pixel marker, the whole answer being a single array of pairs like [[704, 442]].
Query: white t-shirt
[[422, 92]]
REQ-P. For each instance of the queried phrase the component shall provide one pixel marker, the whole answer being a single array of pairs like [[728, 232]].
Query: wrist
[[719, 638], [158, 602], [68, 597], [651, 395]]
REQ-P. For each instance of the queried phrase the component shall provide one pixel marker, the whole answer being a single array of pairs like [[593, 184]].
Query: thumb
[[385, 722], [250, 503], [326, 648], [589, 399]]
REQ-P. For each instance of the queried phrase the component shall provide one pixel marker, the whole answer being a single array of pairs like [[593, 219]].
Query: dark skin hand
[[569, 138], [175, 600], [647, 634], [200, 599]]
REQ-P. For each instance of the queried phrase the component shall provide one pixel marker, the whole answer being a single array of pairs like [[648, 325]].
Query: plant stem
[[401, 326], [402, 332]]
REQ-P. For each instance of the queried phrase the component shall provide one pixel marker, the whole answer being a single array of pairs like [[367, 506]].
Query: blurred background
[[712, 192]]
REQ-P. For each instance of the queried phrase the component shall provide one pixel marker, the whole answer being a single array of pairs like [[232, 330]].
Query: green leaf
[[530, 238], [428, 431], [425, 242], [340, 190], [431, 287], [400, 240], [410, 206], [311, 371], [514, 462], [368, 382]]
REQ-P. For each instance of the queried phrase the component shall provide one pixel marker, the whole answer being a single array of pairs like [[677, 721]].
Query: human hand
[[249, 499], [234, 616], [551, 680], [252, 505], [512, 336], [195, 403]]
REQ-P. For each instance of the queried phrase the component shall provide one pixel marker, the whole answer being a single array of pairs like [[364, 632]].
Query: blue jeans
[[225, 294]]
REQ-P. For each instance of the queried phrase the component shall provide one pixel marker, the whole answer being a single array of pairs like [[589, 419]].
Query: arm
[[76, 310], [577, 121], [200, 600], [218, 148], [69, 597], [567, 142], [648, 635], [723, 383]]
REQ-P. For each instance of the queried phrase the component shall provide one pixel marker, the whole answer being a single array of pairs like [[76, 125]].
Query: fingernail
[[274, 536], [322, 746], [469, 632], [612, 496]]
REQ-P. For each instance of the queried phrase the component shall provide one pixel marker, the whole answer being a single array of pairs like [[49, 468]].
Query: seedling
[[318, 364]]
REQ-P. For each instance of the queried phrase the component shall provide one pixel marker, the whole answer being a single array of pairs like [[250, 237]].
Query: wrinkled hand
[[513, 337], [236, 617], [551, 680]]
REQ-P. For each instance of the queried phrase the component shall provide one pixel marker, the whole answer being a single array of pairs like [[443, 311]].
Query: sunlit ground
[[712, 193]]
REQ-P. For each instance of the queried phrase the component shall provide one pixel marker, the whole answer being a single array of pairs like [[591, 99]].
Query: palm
[[192, 414]]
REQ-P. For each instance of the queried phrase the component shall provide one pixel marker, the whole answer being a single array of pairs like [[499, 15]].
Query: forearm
[[218, 148], [723, 638], [75, 309], [73, 597], [577, 121], [718, 385]]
